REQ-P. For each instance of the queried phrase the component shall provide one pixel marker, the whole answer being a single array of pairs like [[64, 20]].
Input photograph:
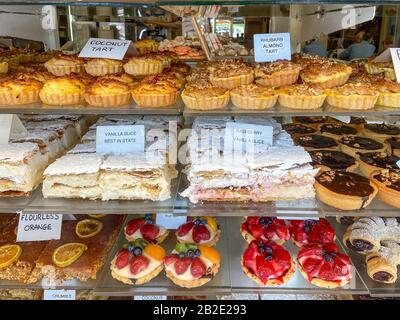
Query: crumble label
[[39, 226], [271, 47], [119, 140], [106, 48], [150, 298], [169, 221], [59, 294]]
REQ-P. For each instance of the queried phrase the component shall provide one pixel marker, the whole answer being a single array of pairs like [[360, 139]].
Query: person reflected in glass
[[314, 47], [362, 48]]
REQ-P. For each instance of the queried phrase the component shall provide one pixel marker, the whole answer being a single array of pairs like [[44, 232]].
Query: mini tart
[[316, 141], [204, 96], [266, 229], [41, 76], [323, 265], [99, 66], [336, 131], [155, 92], [230, 75], [45, 56], [144, 46], [297, 129], [276, 74], [3, 67], [63, 91], [108, 93], [144, 65], [333, 160], [353, 145], [122, 77], [353, 96], [326, 74], [135, 267], [62, 65], [389, 93], [267, 263], [301, 96], [304, 59], [19, 91], [191, 266], [199, 230], [309, 231], [377, 67], [372, 161], [393, 146], [344, 190], [312, 122], [388, 184], [380, 131], [253, 96], [145, 228]]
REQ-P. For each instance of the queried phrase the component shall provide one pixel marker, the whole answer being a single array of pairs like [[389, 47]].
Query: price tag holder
[[119, 140], [169, 221], [107, 48], [149, 297], [271, 47], [59, 294], [39, 227]]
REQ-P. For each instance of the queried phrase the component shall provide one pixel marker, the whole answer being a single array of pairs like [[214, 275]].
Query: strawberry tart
[[307, 231], [199, 230], [138, 262], [268, 263], [323, 265], [145, 227], [265, 228], [191, 266]]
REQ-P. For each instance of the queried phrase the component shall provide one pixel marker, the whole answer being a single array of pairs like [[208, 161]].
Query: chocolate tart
[[336, 131], [393, 146], [333, 160], [388, 184], [344, 190], [372, 161], [297, 129], [353, 145], [346, 221], [316, 141], [313, 122], [380, 131]]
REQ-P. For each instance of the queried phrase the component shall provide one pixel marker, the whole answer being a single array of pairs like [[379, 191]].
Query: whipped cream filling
[[126, 272]]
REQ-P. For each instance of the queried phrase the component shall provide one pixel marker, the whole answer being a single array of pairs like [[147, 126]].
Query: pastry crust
[[279, 79], [62, 100], [378, 136], [205, 103], [301, 101], [377, 264], [367, 169], [232, 82], [249, 237], [211, 243], [389, 99], [314, 73], [102, 67], [353, 151], [322, 283], [253, 97], [352, 102], [196, 282], [385, 194], [107, 100], [144, 67]]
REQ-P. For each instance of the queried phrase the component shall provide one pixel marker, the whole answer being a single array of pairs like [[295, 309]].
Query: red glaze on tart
[[145, 227], [307, 231], [267, 263], [323, 265], [199, 230], [265, 228]]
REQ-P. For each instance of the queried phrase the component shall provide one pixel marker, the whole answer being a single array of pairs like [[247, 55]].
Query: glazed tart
[[63, 65], [192, 266], [276, 74], [107, 93], [202, 95], [372, 161], [268, 263], [333, 160], [316, 141], [313, 122], [231, 74], [344, 190], [265, 229], [388, 184], [326, 74], [138, 262], [311, 231], [199, 230], [100, 67], [336, 131], [19, 91], [145, 228], [301, 96], [353, 145], [393, 146], [353, 96], [389, 93], [297, 129], [380, 131], [253, 96], [323, 265]]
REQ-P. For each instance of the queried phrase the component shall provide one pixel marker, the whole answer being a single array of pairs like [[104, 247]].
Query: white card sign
[[271, 47], [105, 48], [39, 226], [169, 221], [59, 295], [119, 140]]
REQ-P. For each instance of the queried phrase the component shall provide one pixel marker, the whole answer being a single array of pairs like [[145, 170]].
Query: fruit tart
[[107, 93], [333, 160], [145, 65], [268, 263], [138, 262], [192, 266], [312, 142], [302, 96], [144, 227], [254, 96], [231, 74], [309, 231], [62, 65], [19, 91], [354, 96], [323, 265], [389, 93], [266, 229], [326, 74], [372, 161], [276, 74], [388, 183], [380, 131], [199, 230], [63, 91], [353, 145], [100, 66]]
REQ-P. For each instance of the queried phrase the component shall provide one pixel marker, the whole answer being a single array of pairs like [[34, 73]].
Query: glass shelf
[[16, 204], [45, 284]]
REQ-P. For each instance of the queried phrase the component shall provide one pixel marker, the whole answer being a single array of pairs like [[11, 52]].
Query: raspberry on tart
[[267, 263], [199, 230], [265, 228], [308, 231], [145, 227], [323, 265]]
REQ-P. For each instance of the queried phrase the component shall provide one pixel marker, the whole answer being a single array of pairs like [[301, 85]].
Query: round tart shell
[[352, 102], [254, 103], [391, 151], [232, 82], [322, 283], [27, 97], [62, 100], [60, 71], [210, 243], [101, 70], [280, 78], [196, 282], [143, 68], [332, 81], [389, 99], [326, 168], [301, 101], [387, 195], [159, 239], [206, 103], [380, 137], [107, 100], [367, 169], [249, 237], [373, 68], [353, 151], [155, 101]]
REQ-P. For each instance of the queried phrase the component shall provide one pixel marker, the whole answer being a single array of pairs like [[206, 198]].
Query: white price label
[[169, 221], [39, 227], [59, 295], [271, 47], [119, 139], [105, 48], [150, 297]]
